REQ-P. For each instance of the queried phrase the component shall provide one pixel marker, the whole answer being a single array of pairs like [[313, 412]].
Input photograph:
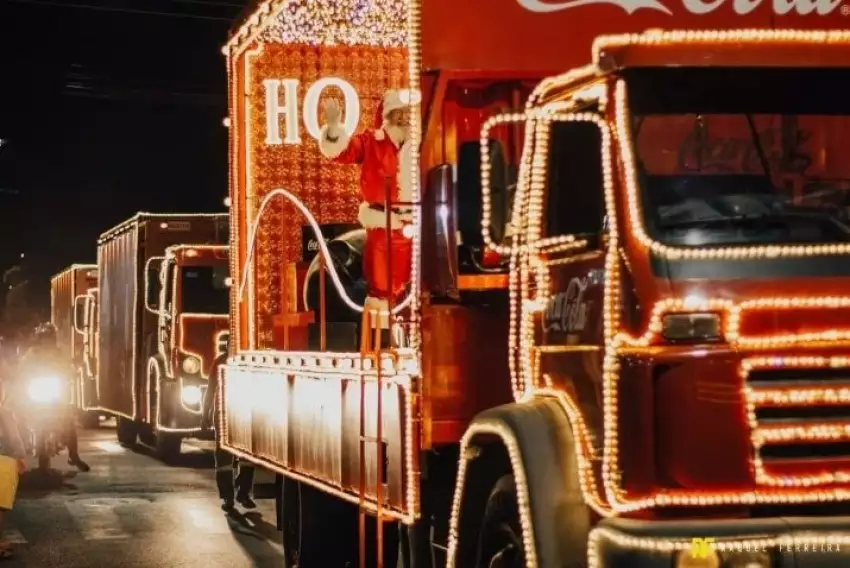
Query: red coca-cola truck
[[635, 353], [68, 290], [147, 266]]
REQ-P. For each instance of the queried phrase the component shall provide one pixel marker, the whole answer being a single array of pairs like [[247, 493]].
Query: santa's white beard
[[397, 134]]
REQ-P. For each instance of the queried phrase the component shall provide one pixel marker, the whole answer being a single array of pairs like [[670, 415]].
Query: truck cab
[[188, 290], [682, 292], [86, 327]]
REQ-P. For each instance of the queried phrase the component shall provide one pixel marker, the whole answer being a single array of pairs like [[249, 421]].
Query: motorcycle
[[45, 415]]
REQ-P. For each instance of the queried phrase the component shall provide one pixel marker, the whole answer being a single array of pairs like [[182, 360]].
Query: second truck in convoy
[[162, 317]]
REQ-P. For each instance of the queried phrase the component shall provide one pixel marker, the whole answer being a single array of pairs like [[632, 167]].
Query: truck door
[[568, 242]]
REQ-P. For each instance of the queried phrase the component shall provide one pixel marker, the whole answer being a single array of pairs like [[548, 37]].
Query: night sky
[[107, 107]]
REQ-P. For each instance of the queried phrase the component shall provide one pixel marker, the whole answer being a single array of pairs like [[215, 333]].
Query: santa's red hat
[[393, 99]]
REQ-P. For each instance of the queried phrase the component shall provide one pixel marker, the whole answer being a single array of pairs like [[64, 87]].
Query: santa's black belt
[[381, 209]]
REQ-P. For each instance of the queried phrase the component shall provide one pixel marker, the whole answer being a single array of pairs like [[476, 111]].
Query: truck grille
[[223, 344], [799, 415]]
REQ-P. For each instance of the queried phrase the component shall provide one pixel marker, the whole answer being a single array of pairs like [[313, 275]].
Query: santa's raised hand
[[333, 112]]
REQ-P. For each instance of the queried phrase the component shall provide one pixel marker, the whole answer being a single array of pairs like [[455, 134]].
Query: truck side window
[[153, 286], [575, 202], [503, 177], [169, 286]]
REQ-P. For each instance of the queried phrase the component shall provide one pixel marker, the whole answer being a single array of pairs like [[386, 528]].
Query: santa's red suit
[[384, 157]]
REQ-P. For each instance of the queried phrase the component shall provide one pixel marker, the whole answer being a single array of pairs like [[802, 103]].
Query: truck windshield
[[204, 289], [742, 156]]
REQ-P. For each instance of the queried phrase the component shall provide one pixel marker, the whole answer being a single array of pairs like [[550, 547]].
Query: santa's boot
[[379, 319]]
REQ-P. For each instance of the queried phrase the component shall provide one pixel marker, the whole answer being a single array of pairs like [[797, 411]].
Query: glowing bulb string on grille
[[323, 248]]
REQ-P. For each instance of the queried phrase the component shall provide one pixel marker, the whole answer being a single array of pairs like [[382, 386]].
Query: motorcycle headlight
[[191, 365], [45, 389], [191, 395]]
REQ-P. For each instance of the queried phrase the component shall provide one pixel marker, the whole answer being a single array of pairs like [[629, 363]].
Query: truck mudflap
[[776, 542]]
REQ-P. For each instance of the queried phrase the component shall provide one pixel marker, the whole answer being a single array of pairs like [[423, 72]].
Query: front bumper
[[779, 542]]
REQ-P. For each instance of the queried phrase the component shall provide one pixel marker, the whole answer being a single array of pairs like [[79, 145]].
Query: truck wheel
[[41, 451], [500, 540], [168, 446], [127, 431], [308, 516]]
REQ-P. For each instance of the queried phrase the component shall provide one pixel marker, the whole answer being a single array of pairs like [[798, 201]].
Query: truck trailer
[[158, 408], [635, 353], [68, 290]]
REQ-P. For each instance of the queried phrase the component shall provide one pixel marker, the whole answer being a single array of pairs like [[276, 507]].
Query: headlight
[[45, 389], [191, 365], [191, 395], [691, 327]]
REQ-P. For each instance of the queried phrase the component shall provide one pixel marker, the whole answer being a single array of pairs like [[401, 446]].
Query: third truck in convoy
[[637, 352], [68, 292]]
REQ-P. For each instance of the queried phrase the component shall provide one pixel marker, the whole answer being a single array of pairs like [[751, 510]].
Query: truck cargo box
[[65, 287], [127, 330]]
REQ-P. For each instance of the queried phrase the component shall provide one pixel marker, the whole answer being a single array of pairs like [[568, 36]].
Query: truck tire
[[42, 452], [309, 515], [127, 431], [500, 539], [168, 446]]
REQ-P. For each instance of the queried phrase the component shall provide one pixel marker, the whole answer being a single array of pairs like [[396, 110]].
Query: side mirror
[[79, 313], [439, 234], [152, 284]]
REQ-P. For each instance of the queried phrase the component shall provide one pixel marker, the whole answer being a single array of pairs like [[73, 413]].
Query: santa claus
[[384, 156]]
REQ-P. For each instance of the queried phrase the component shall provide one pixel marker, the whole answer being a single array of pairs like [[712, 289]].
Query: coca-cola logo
[[783, 149], [699, 7]]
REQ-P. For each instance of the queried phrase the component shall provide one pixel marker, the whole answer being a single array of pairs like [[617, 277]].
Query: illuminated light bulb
[[408, 231], [226, 122], [227, 202]]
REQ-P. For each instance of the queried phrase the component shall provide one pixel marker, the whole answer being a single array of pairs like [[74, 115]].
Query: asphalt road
[[131, 510]]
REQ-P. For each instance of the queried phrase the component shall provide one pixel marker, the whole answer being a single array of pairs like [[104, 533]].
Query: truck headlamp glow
[[191, 365], [691, 327], [191, 395], [45, 389]]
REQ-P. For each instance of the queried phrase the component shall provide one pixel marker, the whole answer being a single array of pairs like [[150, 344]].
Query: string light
[[325, 22]]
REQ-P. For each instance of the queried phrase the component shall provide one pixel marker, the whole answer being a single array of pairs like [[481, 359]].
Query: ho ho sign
[[698, 7], [282, 108]]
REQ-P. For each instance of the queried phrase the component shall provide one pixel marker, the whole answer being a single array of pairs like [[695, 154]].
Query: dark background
[[108, 107]]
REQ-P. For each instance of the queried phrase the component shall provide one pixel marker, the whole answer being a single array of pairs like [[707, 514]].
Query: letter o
[[311, 105]]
